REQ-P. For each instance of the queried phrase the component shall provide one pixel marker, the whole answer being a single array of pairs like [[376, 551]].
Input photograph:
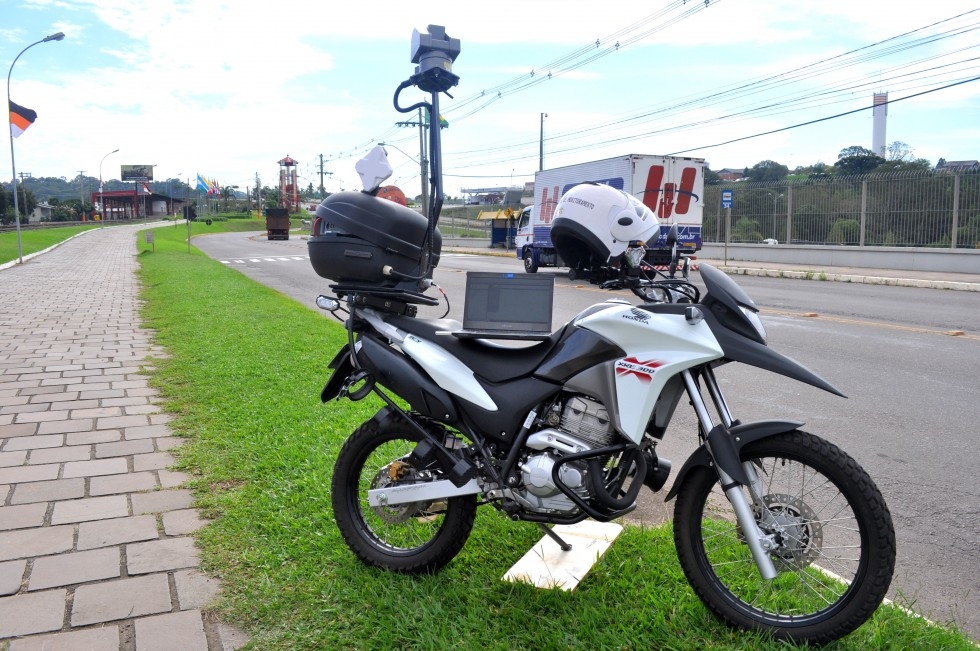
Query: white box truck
[[671, 186]]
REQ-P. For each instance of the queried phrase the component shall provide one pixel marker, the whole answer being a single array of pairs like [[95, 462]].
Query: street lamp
[[101, 193], [13, 167]]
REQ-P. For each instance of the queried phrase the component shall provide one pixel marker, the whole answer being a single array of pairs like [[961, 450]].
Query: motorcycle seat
[[490, 360]]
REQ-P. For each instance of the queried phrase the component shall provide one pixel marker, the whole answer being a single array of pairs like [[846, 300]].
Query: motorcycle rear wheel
[[413, 538], [837, 543]]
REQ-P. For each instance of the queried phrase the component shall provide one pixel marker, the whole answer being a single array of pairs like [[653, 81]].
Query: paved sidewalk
[[96, 534]]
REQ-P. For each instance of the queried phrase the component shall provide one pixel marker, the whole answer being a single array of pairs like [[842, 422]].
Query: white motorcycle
[[776, 529]]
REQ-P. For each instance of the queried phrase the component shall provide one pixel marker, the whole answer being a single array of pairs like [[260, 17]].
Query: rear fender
[[342, 369], [727, 445]]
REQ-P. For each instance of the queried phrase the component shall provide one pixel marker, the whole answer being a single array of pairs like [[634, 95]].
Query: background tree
[[857, 160], [768, 170]]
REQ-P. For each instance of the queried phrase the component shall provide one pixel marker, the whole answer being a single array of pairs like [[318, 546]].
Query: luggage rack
[[391, 300]]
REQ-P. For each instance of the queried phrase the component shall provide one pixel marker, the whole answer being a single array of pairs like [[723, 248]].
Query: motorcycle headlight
[[753, 318]]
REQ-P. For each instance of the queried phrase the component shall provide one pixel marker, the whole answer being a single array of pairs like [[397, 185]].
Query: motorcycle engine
[[578, 425]]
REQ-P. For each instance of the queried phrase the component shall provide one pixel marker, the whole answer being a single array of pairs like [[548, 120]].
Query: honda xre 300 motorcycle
[[776, 529]]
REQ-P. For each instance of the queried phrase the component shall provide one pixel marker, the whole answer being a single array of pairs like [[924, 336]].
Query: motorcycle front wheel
[[417, 537], [834, 541]]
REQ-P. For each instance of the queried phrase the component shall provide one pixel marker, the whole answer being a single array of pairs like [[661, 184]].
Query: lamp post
[[13, 167], [101, 193]]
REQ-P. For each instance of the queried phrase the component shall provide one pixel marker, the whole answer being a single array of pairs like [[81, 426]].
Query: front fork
[[759, 543]]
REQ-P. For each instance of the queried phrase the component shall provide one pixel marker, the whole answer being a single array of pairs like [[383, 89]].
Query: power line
[[824, 119]]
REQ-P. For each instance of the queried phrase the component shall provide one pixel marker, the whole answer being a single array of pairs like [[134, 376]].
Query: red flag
[[20, 119], [146, 189]]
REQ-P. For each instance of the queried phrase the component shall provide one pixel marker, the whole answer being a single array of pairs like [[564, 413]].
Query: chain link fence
[[913, 209]]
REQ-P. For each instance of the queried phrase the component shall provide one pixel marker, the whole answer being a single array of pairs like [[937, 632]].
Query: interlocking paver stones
[[121, 599], [195, 589], [48, 491], [60, 455], [93, 468], [79, 567], [123, 448], [161, 555], [11, 575], [20, 517], [184, 631], [34, 612], [32, 442], [19, 474], [158, 501], [81, 436], [153, 461], [8, 459], [99, 436], [25, 543], [90, 508], [128, 483], [146, 431], [65, 426], [104, 638], [117, 531], [182, 522]]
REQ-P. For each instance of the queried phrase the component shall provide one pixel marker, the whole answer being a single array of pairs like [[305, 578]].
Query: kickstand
[[565, 547]]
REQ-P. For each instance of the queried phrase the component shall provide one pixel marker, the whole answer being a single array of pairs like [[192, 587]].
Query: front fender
[[727, 445]]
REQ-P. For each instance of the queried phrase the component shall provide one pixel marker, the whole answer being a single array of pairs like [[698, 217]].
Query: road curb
[[819, 275]]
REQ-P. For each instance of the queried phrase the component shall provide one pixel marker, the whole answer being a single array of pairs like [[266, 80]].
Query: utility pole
[[422, 161], [81, 188], [323, 191]]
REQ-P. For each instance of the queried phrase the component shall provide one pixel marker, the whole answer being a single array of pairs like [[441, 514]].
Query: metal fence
[[920, 209]]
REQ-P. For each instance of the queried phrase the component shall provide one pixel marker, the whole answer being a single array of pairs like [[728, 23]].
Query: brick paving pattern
[[96, 534]]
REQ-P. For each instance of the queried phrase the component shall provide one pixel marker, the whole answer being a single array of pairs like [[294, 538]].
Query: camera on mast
[[435, 52]]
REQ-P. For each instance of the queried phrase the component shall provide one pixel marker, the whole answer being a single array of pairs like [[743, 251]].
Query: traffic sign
[[727, 197]]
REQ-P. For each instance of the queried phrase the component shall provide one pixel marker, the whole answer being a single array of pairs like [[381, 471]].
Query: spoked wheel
[[832, 535], [413, 538]]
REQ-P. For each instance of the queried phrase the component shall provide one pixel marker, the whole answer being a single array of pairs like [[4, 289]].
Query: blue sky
[[227, 88]]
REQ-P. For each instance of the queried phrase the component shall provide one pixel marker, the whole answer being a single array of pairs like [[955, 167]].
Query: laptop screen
[[508, 302]]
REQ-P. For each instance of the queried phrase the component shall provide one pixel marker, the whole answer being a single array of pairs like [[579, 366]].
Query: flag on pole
[[146, 189], [201, 183], [20, 119]]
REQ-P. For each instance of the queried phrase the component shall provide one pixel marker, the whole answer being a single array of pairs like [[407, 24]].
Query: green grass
[[34, 240], [243, 378]]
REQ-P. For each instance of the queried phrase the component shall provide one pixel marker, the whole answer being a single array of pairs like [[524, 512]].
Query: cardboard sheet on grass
[[547, 566]]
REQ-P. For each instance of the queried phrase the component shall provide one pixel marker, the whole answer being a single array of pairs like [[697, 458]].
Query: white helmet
[[595, 223]]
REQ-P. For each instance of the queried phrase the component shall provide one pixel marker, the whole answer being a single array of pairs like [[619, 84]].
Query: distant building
[[43, 212], [729, 174], [959, 166]]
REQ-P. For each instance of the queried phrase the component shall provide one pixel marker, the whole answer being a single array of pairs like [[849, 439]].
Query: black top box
[[355, 235]]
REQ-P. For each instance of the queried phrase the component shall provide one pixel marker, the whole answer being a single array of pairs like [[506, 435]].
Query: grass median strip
[[243, 379], [33, 240]]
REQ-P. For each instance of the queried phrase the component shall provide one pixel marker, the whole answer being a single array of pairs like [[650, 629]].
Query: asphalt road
[[910, 417]]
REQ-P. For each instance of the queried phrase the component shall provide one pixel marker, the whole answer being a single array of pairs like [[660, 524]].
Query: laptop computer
[[507, 306]]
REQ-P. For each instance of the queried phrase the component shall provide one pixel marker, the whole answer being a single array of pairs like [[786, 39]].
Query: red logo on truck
[[666, 199]]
